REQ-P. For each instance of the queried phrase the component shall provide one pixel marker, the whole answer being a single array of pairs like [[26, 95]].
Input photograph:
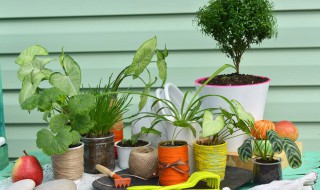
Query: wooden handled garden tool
[[118, 180]]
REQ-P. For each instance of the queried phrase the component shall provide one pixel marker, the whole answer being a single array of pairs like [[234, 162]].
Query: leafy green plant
[[220, 129], [188, 114], [63, 107], [144, 130], [236, 24], [142, 58], [108, 111], [266, 151]]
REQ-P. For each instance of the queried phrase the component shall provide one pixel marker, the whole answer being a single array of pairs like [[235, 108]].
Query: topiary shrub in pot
[[266, 143], [236, 25], [64, 108]]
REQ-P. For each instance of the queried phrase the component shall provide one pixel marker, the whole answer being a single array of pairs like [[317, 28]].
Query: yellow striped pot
[[211, 158]]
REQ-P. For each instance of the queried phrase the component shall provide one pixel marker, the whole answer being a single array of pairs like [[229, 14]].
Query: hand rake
[[118, 180]]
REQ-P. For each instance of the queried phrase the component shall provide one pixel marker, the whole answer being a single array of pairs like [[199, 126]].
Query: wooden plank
[[72, 8], [234, 160], [286, 67]]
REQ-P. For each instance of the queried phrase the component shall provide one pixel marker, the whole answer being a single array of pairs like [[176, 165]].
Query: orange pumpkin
[[261, 127]]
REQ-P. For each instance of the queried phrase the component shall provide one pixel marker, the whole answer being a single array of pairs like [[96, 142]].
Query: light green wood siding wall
[[103, 35]]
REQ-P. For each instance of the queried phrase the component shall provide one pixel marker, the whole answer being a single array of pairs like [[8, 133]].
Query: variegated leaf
[[292, 152], [275, 140], [245, 150]]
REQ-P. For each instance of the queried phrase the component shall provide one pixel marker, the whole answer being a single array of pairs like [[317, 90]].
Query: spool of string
[[173, 164], [143, 162], [68, 165]]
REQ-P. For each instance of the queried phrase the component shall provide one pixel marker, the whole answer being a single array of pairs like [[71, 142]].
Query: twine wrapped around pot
[[211, 158], [68, 165], [143, 162]]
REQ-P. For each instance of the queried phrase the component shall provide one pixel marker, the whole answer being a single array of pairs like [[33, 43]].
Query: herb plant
[[236, 24], [63, 107], [182, 118], [108, 111], [266, 148]]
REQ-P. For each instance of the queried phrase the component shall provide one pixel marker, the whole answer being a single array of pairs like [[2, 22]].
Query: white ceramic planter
[[123, 155], [251, 97], [186, 135]]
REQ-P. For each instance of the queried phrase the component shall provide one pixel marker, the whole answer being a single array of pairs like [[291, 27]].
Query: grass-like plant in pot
[[183, 127], [236, 25], [210, 151], [266, 143], [63, 107], [99, 141]]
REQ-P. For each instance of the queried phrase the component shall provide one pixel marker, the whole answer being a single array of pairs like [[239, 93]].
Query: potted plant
[[142, 58], [211, 152], [236, 25], [267, 142], [183, 127], [125, 146], [63, 107], [99, 141]]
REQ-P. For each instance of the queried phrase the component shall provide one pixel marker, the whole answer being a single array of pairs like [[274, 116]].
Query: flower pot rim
[[128, 147], [197, 83], [218, 145], [77, 147], [279, 160], [160, 143], [99, 138]]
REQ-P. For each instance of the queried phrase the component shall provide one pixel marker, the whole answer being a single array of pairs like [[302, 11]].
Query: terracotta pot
[[98, 151], [252, 97], [211, 158], [173, 162], [266, 172], [69, 165]]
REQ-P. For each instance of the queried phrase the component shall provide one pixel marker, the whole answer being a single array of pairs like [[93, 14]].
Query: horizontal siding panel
[[293, 67], [72, 8], [23, 137], [127, 33], [298, 104]]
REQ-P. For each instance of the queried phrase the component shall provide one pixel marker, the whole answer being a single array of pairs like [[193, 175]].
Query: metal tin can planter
[[211, 158], [98, 151], [266, 172], [69, 165], [173, 162]]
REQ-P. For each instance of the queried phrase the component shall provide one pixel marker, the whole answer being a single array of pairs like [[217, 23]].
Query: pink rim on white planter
[[252, 97]]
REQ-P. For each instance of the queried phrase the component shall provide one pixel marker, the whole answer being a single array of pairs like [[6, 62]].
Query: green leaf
[[29, 53], [144, 98], [165, 52], [29, 87], [58, 122], [162, 66], [75, 136], [181, 123], [48, 97], [292, 152], [243, 126], [193, 130], [261, 144], [245, 150], [54, 144], [211, 126], [145, 130], [71, 81], [243, 115], [275, 141], [30, 103], [142, 57], [82, 103], [35, 66], [81, 123]]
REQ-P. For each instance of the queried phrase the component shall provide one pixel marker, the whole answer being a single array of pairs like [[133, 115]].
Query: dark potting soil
[[267, 161], [235, 79], [128, 143], [175, 143], [74, 145]]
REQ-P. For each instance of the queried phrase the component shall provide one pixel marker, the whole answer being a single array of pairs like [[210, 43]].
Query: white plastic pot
[[252, 97], [123, 155]]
